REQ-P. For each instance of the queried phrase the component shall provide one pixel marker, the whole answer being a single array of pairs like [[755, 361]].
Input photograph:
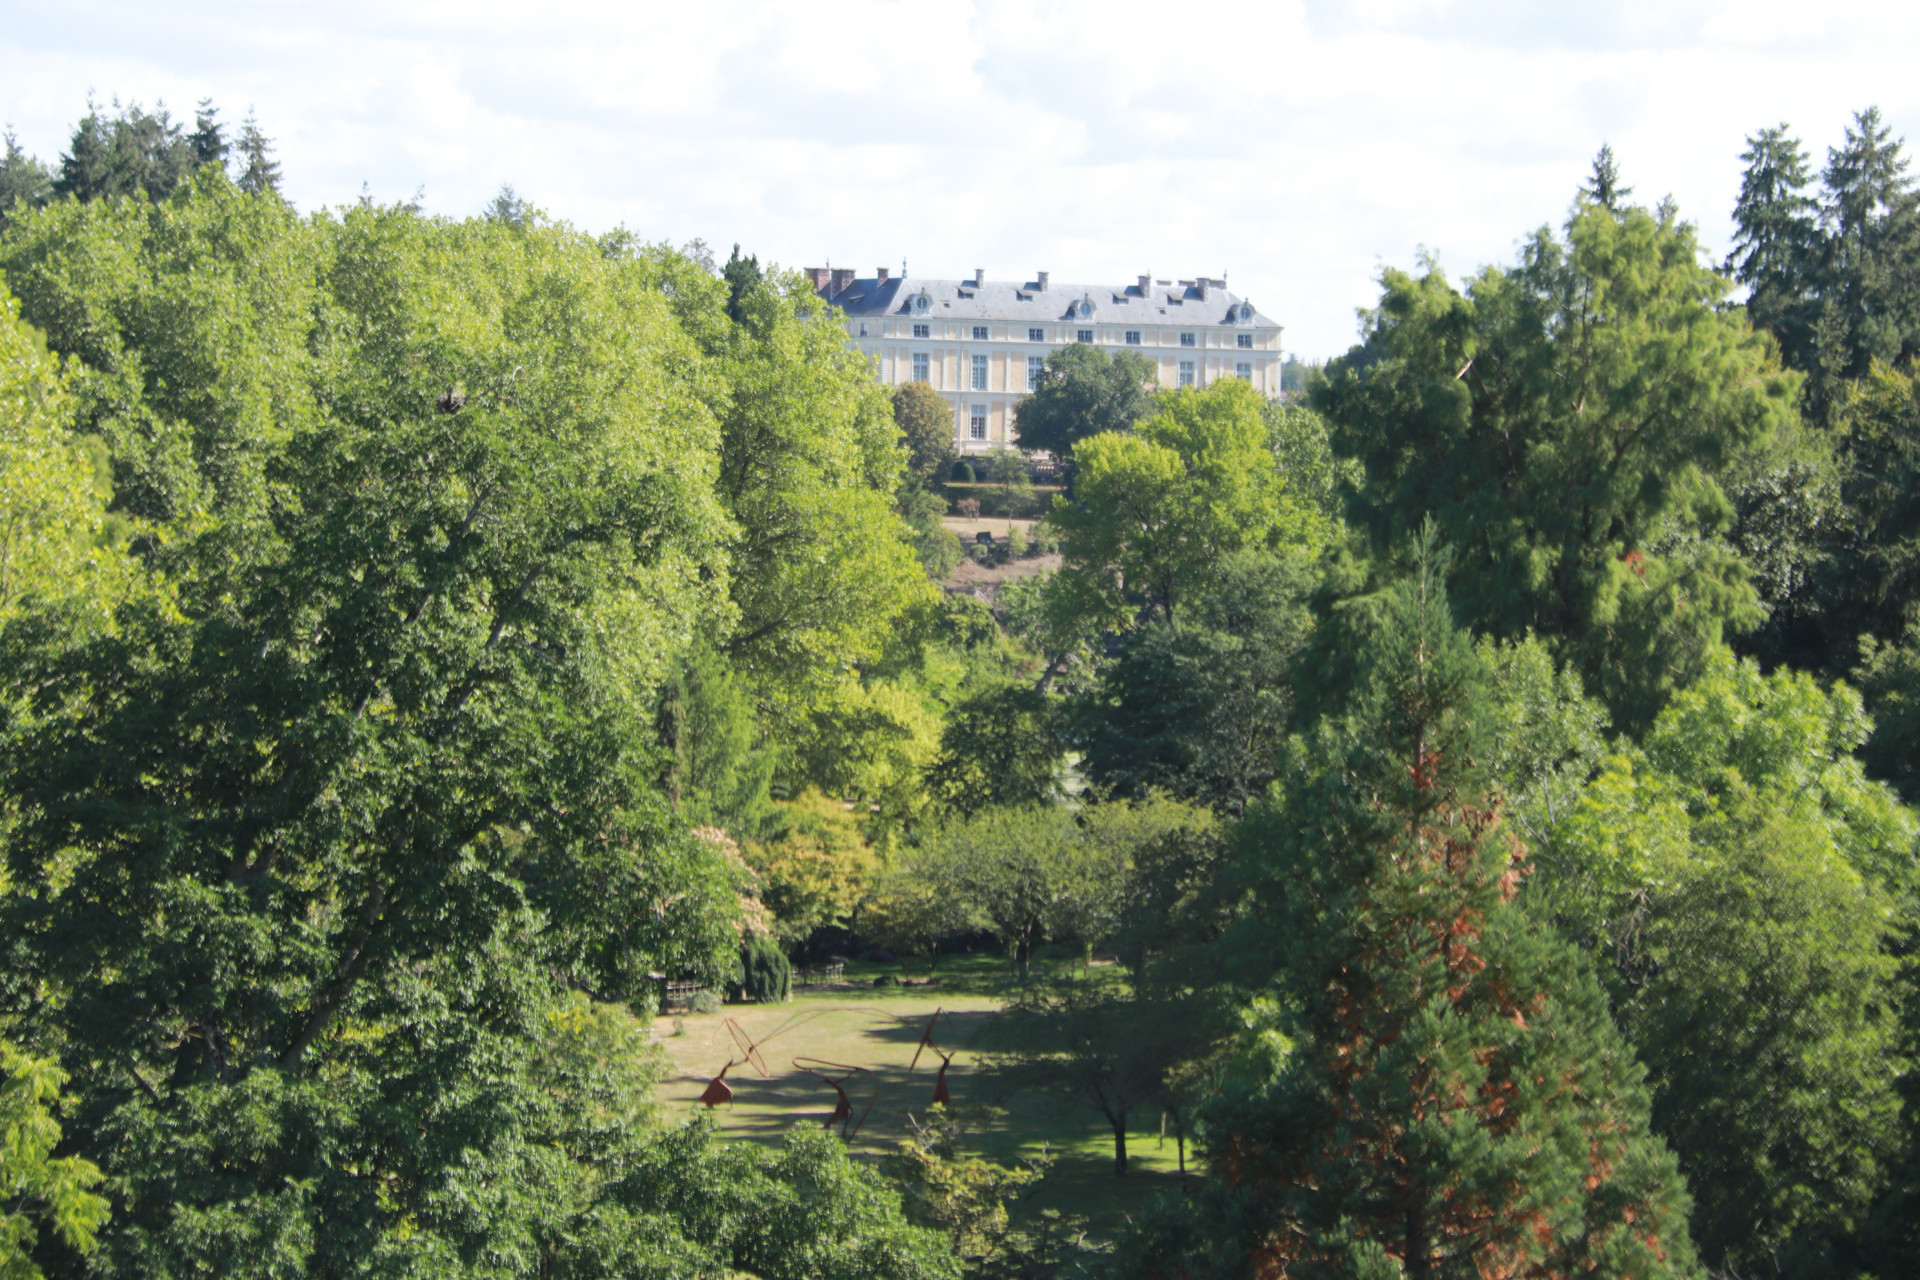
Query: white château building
[[981, 342]]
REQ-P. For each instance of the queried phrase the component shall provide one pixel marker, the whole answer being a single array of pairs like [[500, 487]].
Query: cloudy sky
[[1296, 145]]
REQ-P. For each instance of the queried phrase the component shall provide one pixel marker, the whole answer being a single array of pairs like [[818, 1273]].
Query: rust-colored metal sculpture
[[941, 1097], [842, 1115], [718, 1090], [941, 1094]]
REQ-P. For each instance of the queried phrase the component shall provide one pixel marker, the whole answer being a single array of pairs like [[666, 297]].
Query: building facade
[[981, 342]]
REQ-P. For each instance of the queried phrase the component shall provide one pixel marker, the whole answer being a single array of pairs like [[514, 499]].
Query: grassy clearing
[[879, 1028]]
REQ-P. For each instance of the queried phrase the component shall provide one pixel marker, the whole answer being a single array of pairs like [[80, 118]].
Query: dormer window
[[921, 302], [1084, 309]]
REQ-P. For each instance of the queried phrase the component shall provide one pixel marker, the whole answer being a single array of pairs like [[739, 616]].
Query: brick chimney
[[881, 273], [1146, 284], [1042, 278], [842, 277], [1202, 284], [819, 276], [979, 276]]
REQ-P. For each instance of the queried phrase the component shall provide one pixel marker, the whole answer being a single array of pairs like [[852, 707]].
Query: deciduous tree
[[925, 420], [1565, 425], [1082, 393]]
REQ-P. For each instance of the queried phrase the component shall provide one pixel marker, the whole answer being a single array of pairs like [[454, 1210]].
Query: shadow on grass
[[879, 1029]]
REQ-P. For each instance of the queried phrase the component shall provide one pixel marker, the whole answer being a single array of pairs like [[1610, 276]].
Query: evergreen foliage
[[1603, 187], [766, 974], [23, 180], [130, 151], [1457, 1100], [259, 172], [209, 136], [742, 276]]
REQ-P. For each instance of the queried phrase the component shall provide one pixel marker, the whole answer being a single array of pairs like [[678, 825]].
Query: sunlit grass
[[878, 1028]]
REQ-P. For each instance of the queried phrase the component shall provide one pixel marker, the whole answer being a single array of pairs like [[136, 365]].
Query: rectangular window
[[1246, 341], [979, 373], [1083, 335], [1035, 367], [1186, 339], [1133, 337], [977, 423], [863, 328], [923, 331], [1186, 373], [920, 367], [1036, 335], [1242, 369], [979, 333]]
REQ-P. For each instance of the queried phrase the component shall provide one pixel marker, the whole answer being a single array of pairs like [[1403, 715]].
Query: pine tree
[[23, 179], [743, 276], [131, 151], [1457, 1099], [209, 136], [1604, 188], [1871, 293], [1778, 245], [508, 209], [260, 172]]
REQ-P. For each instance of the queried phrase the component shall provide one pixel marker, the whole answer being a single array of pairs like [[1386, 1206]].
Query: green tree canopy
[[1738, 872], [998, 747], [34, 1183], [23, 179], [1083, 392], [338, 821], [131, 150], [1457, 1099], [1157, 512], [809, 466], [925, 420], [1199, 707], [1564, 424], [1022, 872], [55, 538]]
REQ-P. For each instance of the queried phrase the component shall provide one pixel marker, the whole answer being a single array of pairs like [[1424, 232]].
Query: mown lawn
[[878, 1028]]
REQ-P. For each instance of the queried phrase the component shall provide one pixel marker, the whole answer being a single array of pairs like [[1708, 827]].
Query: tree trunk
[[1120, 1144], [1418, 1256]]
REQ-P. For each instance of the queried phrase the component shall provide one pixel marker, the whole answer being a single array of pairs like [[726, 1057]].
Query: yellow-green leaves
[[33, 1183], [1566, 425], [52, 515], [1156, 511]]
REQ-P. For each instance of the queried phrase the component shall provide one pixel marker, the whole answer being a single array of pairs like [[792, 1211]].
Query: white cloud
[[1296, 144]]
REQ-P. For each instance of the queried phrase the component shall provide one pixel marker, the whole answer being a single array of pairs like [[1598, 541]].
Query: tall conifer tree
[[1457, 1101], [259, 171]]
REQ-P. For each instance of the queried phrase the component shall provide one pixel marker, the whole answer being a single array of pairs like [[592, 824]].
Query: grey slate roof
[[1179, 303]]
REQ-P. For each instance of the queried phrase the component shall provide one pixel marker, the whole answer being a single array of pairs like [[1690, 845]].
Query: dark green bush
[[963, 472], [767, 975]]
